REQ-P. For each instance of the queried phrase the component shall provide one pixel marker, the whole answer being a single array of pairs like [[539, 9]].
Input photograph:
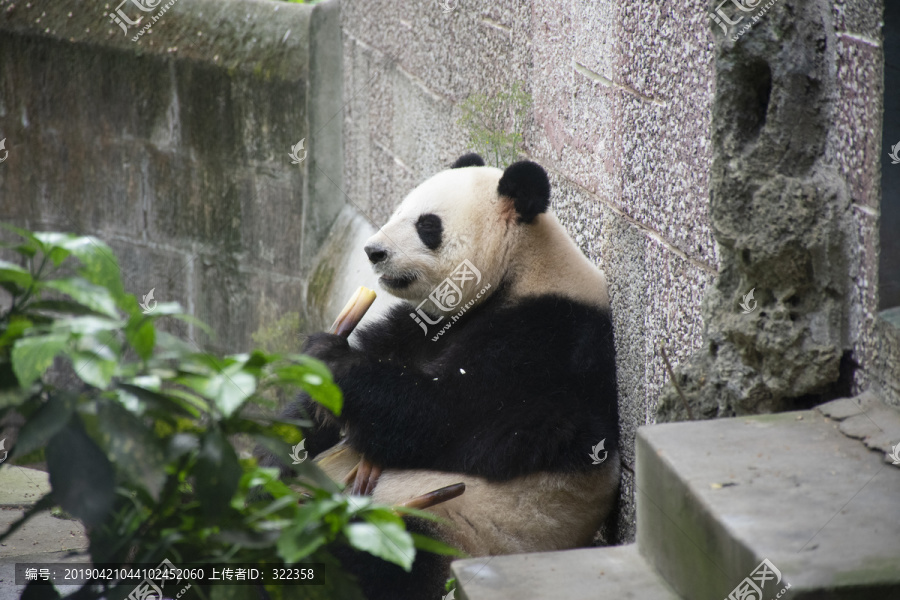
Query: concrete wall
[[174, 148], [622, 98]]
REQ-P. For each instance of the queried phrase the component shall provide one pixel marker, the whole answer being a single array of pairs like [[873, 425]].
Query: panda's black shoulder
[[555, 329]]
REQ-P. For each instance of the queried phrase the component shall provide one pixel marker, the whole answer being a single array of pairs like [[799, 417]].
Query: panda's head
[[469, 212]]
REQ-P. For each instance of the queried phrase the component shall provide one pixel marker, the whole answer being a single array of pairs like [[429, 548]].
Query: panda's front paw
[[333, 350]]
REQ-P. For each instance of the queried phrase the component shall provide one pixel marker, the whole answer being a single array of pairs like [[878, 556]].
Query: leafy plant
[[495, 124], [138, 447]]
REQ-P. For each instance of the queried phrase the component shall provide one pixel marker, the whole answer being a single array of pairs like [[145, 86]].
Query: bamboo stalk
[[353, 312]]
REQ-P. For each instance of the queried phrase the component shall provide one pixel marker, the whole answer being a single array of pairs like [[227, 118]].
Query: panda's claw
[[365, 478]]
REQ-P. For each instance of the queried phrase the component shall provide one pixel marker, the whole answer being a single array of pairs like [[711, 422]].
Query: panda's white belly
[[534, 513]]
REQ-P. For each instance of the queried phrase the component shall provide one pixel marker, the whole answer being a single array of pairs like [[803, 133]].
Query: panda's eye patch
[[430, 230]]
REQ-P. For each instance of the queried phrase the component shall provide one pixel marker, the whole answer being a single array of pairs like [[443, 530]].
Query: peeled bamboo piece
[[353, 312], [436, 497]]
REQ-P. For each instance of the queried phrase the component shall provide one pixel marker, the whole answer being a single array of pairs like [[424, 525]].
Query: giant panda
[[497, 371]]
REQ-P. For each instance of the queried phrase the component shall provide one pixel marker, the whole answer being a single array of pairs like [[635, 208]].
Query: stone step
[[21, 487], [588, 574], [716, 498]]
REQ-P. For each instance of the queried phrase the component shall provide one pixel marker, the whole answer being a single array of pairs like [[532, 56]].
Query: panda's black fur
[[519, 386], [538, 388]]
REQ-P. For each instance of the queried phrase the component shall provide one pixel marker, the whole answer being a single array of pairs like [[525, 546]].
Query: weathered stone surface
[[867, 418], [618, 572], [794, 168], [21, 487], [716, 498], [175, 148]]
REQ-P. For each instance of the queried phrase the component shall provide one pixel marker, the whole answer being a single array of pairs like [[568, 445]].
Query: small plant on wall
[[495, 124]]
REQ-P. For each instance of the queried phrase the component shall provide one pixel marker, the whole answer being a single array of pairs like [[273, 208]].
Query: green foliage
[[140, 450], [495, 124]]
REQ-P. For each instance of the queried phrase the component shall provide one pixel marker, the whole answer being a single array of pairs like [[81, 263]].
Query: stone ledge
[[715, 498], [616, 572]]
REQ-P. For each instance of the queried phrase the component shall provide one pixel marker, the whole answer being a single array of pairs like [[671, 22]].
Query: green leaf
[[93, 369], [14, 273], [314, 378], [156, 400], [33, 244], [217, 473], [386, 540], [295, 544], [142, 337], [65, 307], [88, 325], [44, 424], [228, 393], [81, 476], [32, 356], [248, 539], [99, 264], [17, 326], [134, 448], [92, 296], [428, 544]]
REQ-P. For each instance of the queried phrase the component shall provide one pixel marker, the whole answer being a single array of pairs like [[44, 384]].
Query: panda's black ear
[[527, 184], [468, 160]]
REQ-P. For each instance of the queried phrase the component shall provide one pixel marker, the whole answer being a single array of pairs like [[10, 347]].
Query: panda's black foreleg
[[381, 580]]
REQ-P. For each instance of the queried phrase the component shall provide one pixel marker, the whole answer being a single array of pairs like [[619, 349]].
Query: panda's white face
[[454, 216]]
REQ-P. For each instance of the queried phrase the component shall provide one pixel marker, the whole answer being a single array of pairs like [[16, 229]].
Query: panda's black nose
[[376, 254]]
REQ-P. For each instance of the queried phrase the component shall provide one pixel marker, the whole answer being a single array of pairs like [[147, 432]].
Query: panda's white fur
[[532, 513], [466, 200]]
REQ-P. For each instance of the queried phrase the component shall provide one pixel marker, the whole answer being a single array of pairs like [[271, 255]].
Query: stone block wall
[[174, 148]]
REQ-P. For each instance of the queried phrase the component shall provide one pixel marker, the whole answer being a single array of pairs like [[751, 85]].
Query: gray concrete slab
[[42, 534], [20, 486], [715, 498], [867, 418], [588, 574]]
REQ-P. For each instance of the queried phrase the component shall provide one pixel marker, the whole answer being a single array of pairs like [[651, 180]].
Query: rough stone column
[[783, 214]]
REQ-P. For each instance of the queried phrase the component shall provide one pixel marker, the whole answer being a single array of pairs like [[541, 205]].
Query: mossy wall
[[175, 148]]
